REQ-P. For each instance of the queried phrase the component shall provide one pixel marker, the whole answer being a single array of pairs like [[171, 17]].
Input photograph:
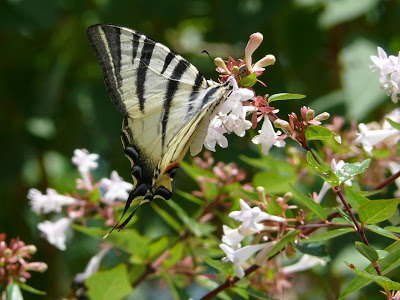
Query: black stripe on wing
[[147, 51], [108, 52], [172, 87]]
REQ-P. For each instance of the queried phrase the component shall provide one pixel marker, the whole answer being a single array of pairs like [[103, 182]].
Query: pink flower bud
[[266, 61], [310, 115], [253, 43], [36, 266], [323, 116], [219, 62], [28, 249]]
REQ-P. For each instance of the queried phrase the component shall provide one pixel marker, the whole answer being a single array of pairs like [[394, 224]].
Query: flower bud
[[30, 249], [287, 196], [266, 61], [322, 117], [310, 115], [235, 70], [261, 193], [253, 43], [36, 266], [279, 123], [219, 62], [8, 253]]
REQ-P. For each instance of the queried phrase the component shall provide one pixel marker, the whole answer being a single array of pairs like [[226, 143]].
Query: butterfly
[[166, 105]]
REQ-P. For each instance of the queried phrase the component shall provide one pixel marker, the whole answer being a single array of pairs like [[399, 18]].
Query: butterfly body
[[166, 105]]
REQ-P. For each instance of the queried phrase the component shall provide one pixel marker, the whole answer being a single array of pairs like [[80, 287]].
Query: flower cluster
[[242, 100], [98, 197], [389, 73], [251, 219], [14, 261]]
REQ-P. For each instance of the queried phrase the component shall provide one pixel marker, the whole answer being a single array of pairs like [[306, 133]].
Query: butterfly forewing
[[164, 99]]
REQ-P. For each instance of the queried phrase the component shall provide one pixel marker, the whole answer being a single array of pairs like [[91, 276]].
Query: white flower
[[250, 218], [267, 137], [85, 162], [305, 263], [92, 266], [55, 231], [232, 237], [215, 135], [52, 201], [240, 256], [393, 115], [230, 118], [389, 73], [115, 188], [369, 138]]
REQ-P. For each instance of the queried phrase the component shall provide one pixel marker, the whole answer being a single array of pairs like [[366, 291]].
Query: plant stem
[[387, 181], [228, 283], [360, 229]]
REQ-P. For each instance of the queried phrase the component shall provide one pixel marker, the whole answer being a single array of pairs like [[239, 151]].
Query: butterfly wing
[[164, 99]]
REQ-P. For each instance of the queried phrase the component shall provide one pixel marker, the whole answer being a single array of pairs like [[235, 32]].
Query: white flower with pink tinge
[[250, 218], [85, 162], [267, 137], [369, 138], [115, 188], [55, 232], [51, 201]]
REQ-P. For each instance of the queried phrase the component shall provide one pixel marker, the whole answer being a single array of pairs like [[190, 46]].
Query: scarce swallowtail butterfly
[[165, 102]]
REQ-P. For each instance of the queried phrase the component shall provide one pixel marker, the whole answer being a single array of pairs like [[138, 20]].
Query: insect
[[165, 102]]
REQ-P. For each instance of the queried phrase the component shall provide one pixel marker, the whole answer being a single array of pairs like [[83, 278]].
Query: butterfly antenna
[[127, 205], [209, 56]]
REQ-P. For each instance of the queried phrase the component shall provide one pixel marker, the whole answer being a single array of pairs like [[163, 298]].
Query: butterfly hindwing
[[164, 99]]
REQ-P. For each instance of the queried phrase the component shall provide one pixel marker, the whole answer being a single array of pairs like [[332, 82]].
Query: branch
[[229, 282], [387, 181], [360, 229]]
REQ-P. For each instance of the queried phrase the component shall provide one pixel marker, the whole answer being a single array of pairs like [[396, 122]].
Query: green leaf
[[287, 238], [128, 239], [314, 249], [320, 133], [390, 262], [190, 197], [367, 252], [395, 229], [376, 211], [381, 231], [394, 124], [167, 217], [177, 292], [311, 204], [350, 170], [175, 255], [358, 97], [274, 208], [354, 198], [13, 292], [198, 229], [249, 80], [285, 96], [344, 215], [222, 266], [109, 285], [340, 11], [30, 289], [323, 171], [257, 295], [383, 281], [94, 196], [327, 235], [158, 246]]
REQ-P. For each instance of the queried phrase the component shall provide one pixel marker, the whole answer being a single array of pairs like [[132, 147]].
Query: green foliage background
[[53, 99]]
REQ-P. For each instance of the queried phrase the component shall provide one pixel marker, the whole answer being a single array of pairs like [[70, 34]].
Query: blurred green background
[[53, 99]]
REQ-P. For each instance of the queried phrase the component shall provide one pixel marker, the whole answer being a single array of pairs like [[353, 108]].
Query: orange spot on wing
[[171, 166]]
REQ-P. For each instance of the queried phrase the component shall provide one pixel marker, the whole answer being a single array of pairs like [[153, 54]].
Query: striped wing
[[165, 101]]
